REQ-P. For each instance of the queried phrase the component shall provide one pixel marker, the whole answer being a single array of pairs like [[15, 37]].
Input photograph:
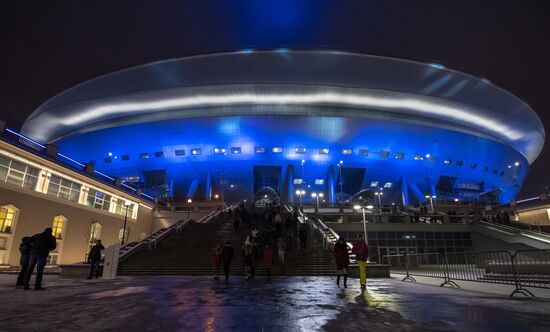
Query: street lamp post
[[357, 207], [300, 193], [127, 205], [317, 196], [340, 171], [189, 201], [379, 196], [431, 202]]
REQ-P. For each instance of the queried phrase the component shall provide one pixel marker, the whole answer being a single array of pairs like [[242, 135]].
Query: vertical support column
[[171, 188], [433, 192], [208, 188], [404, 191], [330, 185], [290, 183], [365, 183], [193, 188], [418, 193]]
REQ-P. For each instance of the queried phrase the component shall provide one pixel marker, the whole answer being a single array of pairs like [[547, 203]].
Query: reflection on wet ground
[[185, 303]]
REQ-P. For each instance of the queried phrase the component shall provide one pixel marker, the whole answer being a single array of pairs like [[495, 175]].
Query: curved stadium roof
[[324, 83]]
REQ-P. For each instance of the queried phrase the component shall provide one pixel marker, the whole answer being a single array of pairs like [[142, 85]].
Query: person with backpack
[[94, 258], [226, 257], [24, 249], [361, 251], [41, 245], [268, 260], [281, 247], [217, 260], [342, 261]]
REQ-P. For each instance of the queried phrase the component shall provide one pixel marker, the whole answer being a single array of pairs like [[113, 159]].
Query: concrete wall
[[37, 211], [535, 217], [483, 242]]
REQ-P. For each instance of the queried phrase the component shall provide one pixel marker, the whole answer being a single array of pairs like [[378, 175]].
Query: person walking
[[361, 251], [268, 260], [248, 259], [94, 258], [342, 261], [24, 249], [226, 257], [281, 247], [303, 236], [217, 260], [41, 245]]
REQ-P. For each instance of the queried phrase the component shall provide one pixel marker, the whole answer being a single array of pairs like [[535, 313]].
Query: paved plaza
[[185, 303]]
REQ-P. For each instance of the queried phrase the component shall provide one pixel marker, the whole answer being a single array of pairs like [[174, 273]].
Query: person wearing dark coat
[[227, 256], [94, 258], [41, 245], [25, 250], [342, 260]]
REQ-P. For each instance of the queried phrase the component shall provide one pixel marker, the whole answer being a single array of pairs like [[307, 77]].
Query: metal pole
[[124, 228], [432, 204], [364, 225]]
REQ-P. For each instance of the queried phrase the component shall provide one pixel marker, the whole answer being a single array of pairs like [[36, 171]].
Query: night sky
[[49, 46]]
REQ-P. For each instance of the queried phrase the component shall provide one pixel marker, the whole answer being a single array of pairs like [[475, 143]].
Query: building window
[[399, 155], [235, 150], [125, 157], [364, 152], [448, 161], [459, 163], [473, 165], [346, 151], [374, 184], [418, 157], [259, 149], [179, 153], [159, 154], [486, 168], [7, 217], [298, 181], [58, 224], [98, 199], [120, 208], [277, 149], [388, 185], [300, 150], [384, 154], [95, 234], [18, 174], [324, 151], [144, 155], [196, 152], [63, 188], [319, 181], [219, 151]]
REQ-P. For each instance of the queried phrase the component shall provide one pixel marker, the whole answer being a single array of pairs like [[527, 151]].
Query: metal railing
[[152, 240], [525, 268]]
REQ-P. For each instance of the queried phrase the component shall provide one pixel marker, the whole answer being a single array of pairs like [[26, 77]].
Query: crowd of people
[[268, 236]]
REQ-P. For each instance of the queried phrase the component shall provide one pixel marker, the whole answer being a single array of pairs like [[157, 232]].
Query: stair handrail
[[152, 240], [512, 231]]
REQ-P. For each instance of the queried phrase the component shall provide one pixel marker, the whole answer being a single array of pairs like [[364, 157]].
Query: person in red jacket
[[342, 260], [361, 251], [217, 260], [268, 260]]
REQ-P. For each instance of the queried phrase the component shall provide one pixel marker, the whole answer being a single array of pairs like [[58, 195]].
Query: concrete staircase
[[189, 253]]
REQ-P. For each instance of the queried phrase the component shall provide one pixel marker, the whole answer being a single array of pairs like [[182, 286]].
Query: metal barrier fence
[[525, 268]]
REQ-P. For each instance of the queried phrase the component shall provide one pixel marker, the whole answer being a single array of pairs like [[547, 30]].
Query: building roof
[[286, 82]]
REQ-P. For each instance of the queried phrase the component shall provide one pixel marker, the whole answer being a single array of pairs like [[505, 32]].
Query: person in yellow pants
[[361, 251]]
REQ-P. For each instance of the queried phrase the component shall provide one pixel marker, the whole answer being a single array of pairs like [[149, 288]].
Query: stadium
[[290, 125]]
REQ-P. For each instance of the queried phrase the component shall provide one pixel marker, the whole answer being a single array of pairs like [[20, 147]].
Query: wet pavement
[[191, 303]]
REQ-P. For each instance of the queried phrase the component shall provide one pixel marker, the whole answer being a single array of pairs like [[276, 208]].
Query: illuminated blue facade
[[330, 122]]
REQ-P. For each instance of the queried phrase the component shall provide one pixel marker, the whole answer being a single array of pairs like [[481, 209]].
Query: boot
[[345, 281], [338, 280]]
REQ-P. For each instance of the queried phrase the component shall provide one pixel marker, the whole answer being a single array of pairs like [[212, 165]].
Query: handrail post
[[447, 276], [519, 289], [407, 264]]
